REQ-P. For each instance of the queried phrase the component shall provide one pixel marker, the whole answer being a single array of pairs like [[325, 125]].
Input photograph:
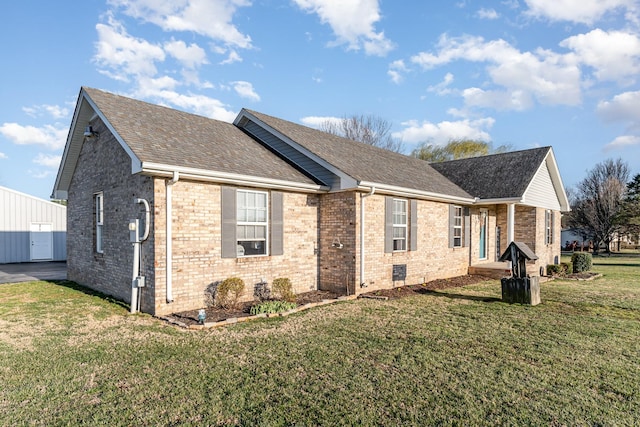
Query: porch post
[[511, 219]]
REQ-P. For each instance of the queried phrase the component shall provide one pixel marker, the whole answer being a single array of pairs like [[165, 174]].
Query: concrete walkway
[[29, 271]]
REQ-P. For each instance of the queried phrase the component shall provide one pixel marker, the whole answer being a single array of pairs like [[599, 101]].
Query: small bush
[[229, 292], [559, 270], [582, 261], [283, 290], [272, 307]]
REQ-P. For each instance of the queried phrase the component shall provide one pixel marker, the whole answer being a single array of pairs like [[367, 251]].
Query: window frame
[[99, 221], [400, 225], [458, 226], [548, 227], [256, 223]]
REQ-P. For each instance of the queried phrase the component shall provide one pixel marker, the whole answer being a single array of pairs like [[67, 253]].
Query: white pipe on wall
[[511, 219], [169, 196], [362, 230]]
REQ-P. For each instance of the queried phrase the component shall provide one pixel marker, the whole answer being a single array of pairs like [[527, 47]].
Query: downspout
[[176, 177], [362, 230]]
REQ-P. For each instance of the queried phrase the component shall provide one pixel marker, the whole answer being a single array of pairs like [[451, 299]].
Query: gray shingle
[[364, 162], [497, 176], [162, 135]]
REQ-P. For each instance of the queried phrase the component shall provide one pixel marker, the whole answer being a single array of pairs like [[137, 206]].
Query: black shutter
[[388, 224], [229, 242], [413, 229], [277, 226]]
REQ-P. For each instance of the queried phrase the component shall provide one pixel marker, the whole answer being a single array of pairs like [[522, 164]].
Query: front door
[[482, 240], [41, 242]]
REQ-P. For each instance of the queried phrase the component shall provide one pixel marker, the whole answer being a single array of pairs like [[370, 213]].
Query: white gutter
[[408, 192], [173, 180], [362, 229], [159, 169]]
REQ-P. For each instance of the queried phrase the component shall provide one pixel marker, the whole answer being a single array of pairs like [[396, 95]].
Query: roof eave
[[164, 170], [410, 192]]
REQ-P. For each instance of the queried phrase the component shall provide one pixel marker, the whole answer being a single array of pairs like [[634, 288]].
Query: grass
[[453, 357]]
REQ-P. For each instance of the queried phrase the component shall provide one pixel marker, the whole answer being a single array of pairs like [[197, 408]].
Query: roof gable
[[526, 176], [364, 164]]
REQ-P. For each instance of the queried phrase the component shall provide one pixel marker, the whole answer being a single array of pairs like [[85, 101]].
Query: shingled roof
[[497, 176], [161, 135], [366, 163]]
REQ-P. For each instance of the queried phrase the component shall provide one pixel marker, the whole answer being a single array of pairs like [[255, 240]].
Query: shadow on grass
[[88, 291], [458, 296], [616, 264]]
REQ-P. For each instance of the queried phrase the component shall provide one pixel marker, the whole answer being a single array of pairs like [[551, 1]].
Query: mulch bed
[[215, 314], [409, 290], [585, 275]]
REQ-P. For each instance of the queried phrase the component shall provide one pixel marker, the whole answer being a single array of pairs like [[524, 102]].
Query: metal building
[[31, 229]]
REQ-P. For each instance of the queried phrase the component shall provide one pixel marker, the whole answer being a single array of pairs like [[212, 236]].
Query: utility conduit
[[169, 196]]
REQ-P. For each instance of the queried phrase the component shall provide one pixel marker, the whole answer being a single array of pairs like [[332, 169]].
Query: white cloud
[[548, 77], [3, 156], [121, 55], [490, 14], [245, 90], [39, 174], [622, 142], [191, 56], [579, 11], [318, 121], [50, 161], [445, 131], [614, 55], [200, 104], [442, 88], [55, 111], [49, 136], [518, 100], [212, 19], [622, 108], [396, 68], [353, 23], [233, 57]]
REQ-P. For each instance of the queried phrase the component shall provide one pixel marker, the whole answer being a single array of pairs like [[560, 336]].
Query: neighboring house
[[264, 198], [31, 229]]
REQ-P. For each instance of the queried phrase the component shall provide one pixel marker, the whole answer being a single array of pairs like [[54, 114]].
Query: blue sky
[[527, 73]]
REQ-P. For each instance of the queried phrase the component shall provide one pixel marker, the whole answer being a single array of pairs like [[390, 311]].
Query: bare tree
[[456, 149], [599, 201], [370, 129]]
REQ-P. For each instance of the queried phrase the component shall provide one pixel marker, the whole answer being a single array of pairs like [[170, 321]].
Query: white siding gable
[[541, 192]]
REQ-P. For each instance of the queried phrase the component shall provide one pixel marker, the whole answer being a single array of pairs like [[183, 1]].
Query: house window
[[252, 220], [457, 226], [99, 209], [548, 227], [399, 225]]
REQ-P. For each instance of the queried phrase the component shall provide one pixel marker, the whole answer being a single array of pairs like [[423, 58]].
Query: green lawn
[[455, 357]]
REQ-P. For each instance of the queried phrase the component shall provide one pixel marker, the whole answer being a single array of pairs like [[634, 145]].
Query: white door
[[41, 242]]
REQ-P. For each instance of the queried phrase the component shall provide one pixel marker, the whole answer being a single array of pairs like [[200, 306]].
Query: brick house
[[264, 198]]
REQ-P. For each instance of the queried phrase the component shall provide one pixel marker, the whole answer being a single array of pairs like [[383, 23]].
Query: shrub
[[283, 290], [561, 269], [582, 261], [272, 307], [228, 292]]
